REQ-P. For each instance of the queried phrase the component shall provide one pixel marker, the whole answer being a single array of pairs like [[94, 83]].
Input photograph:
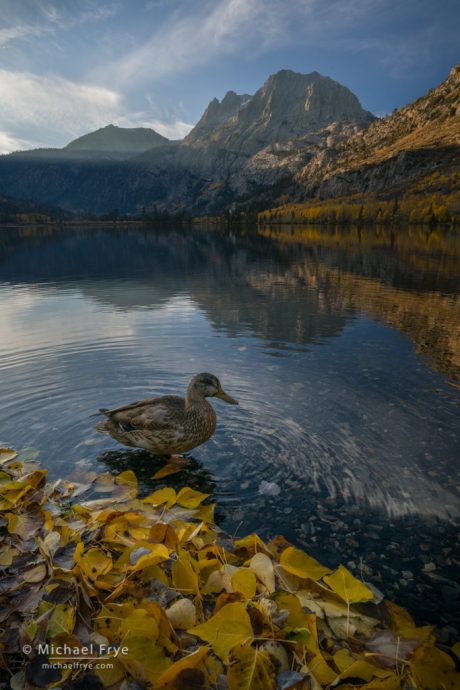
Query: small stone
[[269, 488], [407, 574], [429, 567]]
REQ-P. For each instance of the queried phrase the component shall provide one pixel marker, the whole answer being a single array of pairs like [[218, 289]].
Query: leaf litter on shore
[[167, 601]]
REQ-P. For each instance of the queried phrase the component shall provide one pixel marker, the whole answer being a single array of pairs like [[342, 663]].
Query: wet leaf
[[182, 614], [35, 574], [227, 628], [166, 471], [6, 555], [7, 454], [252, 669], [277, 653], [161, 496], [184, 576], [191, 661], [23, 525], [62, 619], [262, 566], [296, 617], [93, 563], [146, 662], [389, 649], [162, 533], [146, 555], [139, 624], [348, 587], [252, 544], [432, 668], [189, 498], [300, 564], [244, 581]]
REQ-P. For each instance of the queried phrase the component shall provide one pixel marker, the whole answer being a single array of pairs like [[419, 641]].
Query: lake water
[[343, 349]]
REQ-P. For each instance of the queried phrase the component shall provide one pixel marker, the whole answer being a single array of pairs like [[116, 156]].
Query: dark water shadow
[[145, 465]]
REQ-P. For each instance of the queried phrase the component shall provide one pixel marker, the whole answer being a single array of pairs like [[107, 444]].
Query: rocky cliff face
[[248, 136], [299, 135], [248, 142], [215, 116], [288, 106], [415, 140]]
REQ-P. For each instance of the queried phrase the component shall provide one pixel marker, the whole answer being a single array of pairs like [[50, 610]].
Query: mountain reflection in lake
[[342, 347]]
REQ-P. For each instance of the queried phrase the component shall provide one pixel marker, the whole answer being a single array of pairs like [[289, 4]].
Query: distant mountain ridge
[[298, 137], [119, 139]]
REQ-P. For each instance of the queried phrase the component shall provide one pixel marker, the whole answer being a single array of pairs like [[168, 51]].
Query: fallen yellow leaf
[[348, 587], [252, 670], [227, 628], [300, 564]]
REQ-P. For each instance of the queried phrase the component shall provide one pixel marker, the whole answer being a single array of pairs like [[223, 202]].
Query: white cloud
[[55, 105], [9, 143], [177, 129], [51, 111]]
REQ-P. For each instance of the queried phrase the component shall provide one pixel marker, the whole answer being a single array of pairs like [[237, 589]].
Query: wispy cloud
[[215, 29], [189, 40], [49, 18], [13, 33]]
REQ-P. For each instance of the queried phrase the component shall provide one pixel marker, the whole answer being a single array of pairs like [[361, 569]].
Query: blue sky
[[70, 66]]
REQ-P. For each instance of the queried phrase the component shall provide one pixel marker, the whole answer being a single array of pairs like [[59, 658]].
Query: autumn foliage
[[190, 606]]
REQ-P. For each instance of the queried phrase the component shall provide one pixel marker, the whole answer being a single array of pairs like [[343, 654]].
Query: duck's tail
[[102, 410]]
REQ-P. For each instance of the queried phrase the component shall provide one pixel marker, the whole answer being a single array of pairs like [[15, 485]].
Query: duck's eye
[[206, 381]]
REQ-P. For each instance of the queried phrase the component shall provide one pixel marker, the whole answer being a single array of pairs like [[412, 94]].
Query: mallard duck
[[168, 425]]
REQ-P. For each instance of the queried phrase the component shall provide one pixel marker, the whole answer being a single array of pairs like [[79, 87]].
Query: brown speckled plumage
[[167, 425]]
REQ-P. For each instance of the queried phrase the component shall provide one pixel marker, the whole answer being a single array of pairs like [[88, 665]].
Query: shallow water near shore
[[342, 348]]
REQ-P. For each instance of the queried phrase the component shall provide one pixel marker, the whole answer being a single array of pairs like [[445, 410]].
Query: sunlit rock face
[[216, 115], [419, 138], [257, 139], [289, 105]]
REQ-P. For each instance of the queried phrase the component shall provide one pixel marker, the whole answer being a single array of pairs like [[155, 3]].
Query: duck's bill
[[228, 399]]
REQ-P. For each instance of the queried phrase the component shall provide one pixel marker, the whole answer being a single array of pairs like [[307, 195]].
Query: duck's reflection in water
[[145, 465]]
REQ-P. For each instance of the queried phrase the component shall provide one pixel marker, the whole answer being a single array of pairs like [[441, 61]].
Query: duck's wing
[[130, 406], [153, 413]]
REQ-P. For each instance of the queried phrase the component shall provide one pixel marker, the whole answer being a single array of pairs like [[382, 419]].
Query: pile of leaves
[[168, 601]]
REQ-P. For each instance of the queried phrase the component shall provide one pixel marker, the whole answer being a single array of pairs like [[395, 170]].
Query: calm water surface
[[343, 349]]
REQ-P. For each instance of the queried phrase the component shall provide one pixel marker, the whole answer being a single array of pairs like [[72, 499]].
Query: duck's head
[[208, 386]]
